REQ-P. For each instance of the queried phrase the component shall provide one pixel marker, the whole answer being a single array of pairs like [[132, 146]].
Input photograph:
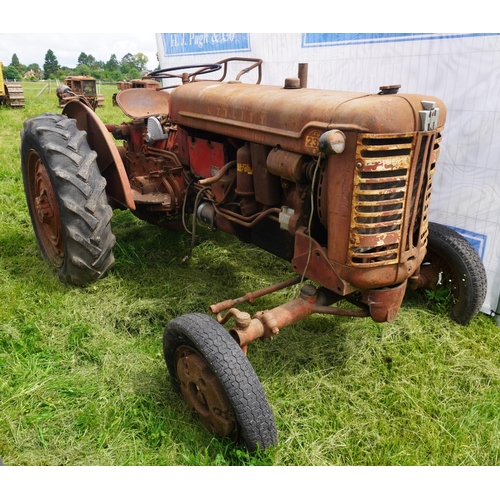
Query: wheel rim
[[440, 276], [45, 209], [203, 392]]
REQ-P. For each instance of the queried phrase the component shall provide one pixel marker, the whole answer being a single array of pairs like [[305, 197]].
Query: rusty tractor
[[83, 88], [337, 183], [143, 83]]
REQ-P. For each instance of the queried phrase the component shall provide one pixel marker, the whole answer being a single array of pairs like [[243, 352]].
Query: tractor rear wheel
[[66, 198], [453, 267], [217, 381]]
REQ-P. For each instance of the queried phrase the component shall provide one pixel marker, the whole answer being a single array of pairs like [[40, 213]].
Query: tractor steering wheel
[[166, 72]]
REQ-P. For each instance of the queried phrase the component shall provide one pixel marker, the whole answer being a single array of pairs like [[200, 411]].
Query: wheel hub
[[437, 274], [46, 212], [203, 393], [43, 209]]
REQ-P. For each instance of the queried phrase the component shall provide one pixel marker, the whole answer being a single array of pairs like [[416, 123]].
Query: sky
[[31, 37], [32, 47]]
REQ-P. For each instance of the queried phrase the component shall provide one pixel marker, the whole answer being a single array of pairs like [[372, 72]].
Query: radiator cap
[[389, 89]]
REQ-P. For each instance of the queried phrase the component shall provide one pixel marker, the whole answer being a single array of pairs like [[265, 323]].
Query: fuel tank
[[294, 118]]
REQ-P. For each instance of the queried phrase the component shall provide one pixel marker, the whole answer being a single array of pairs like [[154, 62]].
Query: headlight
[[332, 141]]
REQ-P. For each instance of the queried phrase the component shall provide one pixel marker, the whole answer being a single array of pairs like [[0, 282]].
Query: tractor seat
[[143, 103]]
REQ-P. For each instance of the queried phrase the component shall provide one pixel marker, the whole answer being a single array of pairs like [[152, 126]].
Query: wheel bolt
[[43, 209]]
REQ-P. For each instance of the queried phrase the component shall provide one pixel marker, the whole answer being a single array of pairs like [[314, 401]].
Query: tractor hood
[[292, 118]]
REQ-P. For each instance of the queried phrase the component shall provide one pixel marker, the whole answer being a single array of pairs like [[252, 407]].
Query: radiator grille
[[391, 197]]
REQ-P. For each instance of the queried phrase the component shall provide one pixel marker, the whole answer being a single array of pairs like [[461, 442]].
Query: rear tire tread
[[79, 188]]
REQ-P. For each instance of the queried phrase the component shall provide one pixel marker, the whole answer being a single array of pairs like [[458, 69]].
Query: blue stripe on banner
[[328, 39], [477, 240], [204, 43]]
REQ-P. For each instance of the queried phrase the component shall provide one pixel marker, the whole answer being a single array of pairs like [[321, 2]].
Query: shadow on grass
[[150, 285]]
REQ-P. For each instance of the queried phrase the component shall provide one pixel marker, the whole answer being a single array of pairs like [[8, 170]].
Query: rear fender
[[108, 156]]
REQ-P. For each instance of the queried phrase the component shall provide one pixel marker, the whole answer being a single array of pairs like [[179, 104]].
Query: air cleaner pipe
[[303, 69]]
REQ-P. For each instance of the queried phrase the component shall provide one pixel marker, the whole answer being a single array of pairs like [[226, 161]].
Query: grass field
[[83, 381]]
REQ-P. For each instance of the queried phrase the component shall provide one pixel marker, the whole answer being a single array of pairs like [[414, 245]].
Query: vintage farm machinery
[[337, 183], [82, 88], [11, 93], [137, 83]]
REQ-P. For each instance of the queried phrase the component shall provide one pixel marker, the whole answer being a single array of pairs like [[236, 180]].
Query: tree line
[[127, 68]]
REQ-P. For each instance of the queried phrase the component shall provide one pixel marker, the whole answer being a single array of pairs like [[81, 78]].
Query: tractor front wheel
[[66, 198], [454, 273], [217, 381]]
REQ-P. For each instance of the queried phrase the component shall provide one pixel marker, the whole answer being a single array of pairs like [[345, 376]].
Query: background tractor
[[79, 87], [142, 83], [11, 93], [337, 183]]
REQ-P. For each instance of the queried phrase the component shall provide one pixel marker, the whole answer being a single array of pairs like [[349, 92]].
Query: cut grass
[[83, 381]]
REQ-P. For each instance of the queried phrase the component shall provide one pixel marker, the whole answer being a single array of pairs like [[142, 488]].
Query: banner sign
[[477, 240], [329, 39], [175, 44]]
